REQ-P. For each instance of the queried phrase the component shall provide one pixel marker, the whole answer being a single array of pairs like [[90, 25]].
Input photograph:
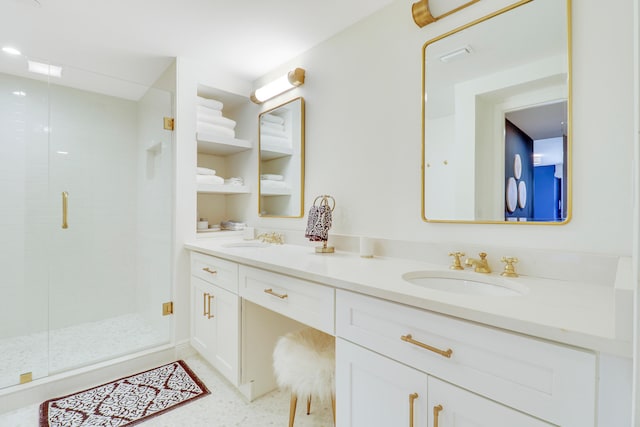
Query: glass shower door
[[25, 227], [111, 166]]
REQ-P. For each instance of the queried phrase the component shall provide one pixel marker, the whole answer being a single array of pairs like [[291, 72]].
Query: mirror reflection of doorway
[[536, 137]]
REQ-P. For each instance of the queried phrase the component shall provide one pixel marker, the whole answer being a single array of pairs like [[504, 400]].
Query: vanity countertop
[[573, 313]]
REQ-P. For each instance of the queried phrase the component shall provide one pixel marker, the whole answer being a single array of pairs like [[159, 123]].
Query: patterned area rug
[[127, 401]]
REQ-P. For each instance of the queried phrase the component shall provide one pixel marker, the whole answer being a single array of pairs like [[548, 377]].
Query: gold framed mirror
[[497, 97], [281, 160]]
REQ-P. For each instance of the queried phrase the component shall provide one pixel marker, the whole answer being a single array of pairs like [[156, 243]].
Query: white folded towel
[[273, 132], [272, 177], [211, 103], [215, 129], [267, 141], [209, 179], [271, 125], [201, 110], [272, 118], [266, 184], [205, 171], [218, 120]]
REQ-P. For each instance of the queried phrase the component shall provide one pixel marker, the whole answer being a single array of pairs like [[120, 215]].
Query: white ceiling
[[136, 40]]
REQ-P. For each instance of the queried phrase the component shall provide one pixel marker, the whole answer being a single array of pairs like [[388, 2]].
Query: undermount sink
[[465, 283], [249, 244]]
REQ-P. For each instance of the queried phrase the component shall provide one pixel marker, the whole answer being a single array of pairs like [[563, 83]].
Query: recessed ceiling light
[[46, 69], [11, 50]]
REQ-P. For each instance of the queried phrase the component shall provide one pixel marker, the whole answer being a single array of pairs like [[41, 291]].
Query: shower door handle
[[65, 207]]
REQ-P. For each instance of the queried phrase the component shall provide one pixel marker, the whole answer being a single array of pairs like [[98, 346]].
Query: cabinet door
[[215, 327], [372, 390], [202, 328], [451, 406]]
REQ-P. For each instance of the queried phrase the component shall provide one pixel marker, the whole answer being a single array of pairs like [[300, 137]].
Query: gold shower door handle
[[65, 208], [412, 398], [445, 353], [436, 414]]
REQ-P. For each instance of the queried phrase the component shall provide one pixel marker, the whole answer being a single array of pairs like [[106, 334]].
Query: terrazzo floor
[[224, 407]]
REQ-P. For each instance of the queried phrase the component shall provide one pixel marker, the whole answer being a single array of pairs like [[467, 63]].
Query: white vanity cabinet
[[474, 372], [215, 313]]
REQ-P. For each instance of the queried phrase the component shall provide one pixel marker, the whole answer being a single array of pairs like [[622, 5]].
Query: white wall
[[363, 94]]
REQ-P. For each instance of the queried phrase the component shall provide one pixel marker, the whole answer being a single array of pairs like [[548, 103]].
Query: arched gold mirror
[[281, 160], [497, 118]]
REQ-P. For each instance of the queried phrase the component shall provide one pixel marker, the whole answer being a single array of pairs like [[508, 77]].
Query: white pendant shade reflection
[[282, 84]]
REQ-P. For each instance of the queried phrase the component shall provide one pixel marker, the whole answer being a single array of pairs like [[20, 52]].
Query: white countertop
[[568, 312]]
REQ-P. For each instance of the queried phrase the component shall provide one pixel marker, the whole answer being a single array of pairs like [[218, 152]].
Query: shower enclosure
[[86, 192]]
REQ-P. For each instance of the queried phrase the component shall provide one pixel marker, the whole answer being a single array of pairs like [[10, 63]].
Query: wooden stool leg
[[292, 409], [333, 407], [309, 405]]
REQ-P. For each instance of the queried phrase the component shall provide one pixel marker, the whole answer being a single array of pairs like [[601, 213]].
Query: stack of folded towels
[[208, 176], [273, 131], [234, 180], [232, 225], [272, 182], [209, 119]]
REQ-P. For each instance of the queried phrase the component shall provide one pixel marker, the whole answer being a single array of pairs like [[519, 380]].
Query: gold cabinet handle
[[209, 315], [65, 208], [436, 414], [408, 338], [412, 398], [206, 305], [208, 270], [270, 292]]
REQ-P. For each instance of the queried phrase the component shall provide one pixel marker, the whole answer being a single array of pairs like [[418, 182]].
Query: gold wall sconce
[[280, 85], [422, 15]]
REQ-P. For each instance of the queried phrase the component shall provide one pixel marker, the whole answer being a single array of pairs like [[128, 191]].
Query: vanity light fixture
[[46, 69], [281, 85], [11, 51], [456, 54], [422, 15]]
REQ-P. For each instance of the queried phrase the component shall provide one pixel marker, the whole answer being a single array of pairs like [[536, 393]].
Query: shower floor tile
[[43, 354], [224, 407]]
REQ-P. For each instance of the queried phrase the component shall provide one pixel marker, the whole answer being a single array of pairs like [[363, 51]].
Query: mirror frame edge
[[569, 118], [302, 157]]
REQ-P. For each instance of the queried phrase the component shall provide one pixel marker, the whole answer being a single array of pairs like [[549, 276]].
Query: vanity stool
[[304, 362]]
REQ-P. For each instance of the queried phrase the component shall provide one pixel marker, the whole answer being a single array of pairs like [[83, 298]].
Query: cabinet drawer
[[215, 270], [307, 302], [547, 380]]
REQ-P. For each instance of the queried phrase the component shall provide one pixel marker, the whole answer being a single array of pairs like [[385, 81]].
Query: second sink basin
[[465, 283]]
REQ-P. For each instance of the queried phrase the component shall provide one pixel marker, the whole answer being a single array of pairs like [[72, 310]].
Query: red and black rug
[[126, 401]]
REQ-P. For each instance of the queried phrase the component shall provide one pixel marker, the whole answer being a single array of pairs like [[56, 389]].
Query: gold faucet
[[509, 269], [456, 261], [271, 238], [481, 265]]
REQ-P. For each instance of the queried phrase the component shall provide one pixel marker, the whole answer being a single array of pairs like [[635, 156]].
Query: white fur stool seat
[[304, 362]]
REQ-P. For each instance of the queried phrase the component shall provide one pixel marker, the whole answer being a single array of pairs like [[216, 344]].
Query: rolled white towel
[[209, 179], [215, 129], [219, 121], [205, 171], [211, 103], [272, 118]]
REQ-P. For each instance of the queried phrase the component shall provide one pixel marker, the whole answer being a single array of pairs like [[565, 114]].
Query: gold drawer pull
[[436, 414], [408, 338], [412, 398], [270, 292], [208, 270]]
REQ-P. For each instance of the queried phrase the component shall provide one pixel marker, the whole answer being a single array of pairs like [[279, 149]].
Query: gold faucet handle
[[509, 269], [456, 260]]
